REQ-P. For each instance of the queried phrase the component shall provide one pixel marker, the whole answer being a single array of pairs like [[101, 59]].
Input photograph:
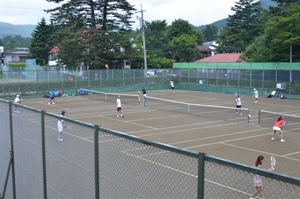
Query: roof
[[231, 57], [55, 49], [204, 49], [17, 53]]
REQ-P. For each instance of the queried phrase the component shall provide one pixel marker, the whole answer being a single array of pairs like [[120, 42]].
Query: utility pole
[[143, 37]]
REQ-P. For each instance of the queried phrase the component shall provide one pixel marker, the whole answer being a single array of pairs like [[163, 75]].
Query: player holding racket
[[238, 105], [278, 127], [119, 107], [145, 95], [172, 86], [257, 179], [255, 94], [60, 126], [17, 101]]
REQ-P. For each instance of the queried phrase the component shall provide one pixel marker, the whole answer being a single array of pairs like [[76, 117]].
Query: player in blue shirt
[[52, 96]]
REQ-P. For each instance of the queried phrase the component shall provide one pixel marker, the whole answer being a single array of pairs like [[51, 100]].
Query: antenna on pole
[[142, 24]]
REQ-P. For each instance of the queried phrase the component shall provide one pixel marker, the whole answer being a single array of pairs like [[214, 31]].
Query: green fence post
[[44, 154], [96, 159], [12, 150], [201, 175]]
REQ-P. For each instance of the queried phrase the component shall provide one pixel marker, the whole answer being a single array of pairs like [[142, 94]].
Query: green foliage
[[10, 43], [210, 32], [185, 48], [17, 65], [242, 27]]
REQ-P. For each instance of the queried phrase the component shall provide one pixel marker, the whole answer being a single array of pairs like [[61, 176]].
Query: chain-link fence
[[93, 162], [242, 75]]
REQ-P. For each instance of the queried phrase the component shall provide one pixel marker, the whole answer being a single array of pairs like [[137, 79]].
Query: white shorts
[[145, 95], [256, 96], [275, 128], [60, 128]]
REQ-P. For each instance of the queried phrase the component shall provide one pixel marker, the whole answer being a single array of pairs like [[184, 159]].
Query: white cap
[[254, 89], [119, 96], [18, 95]]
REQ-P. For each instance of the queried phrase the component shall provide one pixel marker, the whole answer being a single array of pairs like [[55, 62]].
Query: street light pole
[[143, 37]]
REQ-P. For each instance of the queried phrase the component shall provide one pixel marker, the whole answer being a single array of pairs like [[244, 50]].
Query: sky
[[197, 12]]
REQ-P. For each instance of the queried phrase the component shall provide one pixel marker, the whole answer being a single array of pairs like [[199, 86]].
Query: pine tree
[[242, 27], [41, 42]]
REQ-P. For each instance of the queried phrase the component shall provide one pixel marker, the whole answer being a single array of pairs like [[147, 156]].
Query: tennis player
[[238, 105], [60, 127], [17, 101], [257, 179], [255, 94], [278, 128], [145, 95], [172, 86], [119, 107], [52, 96]]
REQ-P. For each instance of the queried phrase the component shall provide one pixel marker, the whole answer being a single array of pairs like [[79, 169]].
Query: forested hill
[[14, 30], [222, 23]]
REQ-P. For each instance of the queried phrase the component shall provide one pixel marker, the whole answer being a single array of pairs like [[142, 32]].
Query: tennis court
[[215, 132]]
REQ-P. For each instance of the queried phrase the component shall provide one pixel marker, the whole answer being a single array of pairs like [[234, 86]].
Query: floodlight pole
[[143, 37]]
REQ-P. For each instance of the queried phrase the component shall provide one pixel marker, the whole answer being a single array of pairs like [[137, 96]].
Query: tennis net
[[268, 119], [112, 97], [205, 111]]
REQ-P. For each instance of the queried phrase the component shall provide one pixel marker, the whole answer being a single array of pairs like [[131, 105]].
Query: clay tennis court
[[230, 138]]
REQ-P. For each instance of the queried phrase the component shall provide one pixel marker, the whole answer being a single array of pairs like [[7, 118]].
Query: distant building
[[52, 56], [17, 56], [223, 58]]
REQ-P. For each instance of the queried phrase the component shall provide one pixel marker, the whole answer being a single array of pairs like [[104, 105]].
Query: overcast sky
[[197, 12]]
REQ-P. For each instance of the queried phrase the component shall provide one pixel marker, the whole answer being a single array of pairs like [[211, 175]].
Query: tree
[[242, 27], [102, 26], [180, 27], [41, 42], [210, 33], [185, 48]]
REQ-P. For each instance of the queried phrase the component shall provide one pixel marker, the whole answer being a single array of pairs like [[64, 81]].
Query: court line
[[259, 151], [242, 132], [185, 173], [187, 129], [120, 120], [53, 105], [291, 154]]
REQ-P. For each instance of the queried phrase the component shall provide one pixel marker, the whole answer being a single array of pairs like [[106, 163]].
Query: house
[[17, 56], [206, 50], [222, 58], [52, 56]]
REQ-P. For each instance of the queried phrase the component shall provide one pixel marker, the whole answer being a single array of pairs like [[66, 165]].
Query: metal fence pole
[[12, 150], [96, 159], [44, 154], [290, 90], [201, 175]]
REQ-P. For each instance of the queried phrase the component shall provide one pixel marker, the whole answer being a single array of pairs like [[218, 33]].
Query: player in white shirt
[[238, 105], [17, 101], [172, 86], [255, 94], [119, 107], [60, 127]]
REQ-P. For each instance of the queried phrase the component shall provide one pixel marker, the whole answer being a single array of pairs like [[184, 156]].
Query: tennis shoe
[[53, 103], [255, 101], [122, 116], [48, 103], [241, 113], [60, 139], [282, 140], [272, 138], [252, 198]]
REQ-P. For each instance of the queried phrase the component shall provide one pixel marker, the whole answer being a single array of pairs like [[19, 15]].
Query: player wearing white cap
[[119, 107], [17, 101], [255, 94]]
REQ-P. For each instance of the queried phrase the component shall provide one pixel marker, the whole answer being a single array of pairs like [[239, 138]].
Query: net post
[[189, 109], [12, 150], [44, 153], [248, 116], [96, 160], [201, 166], [258, 121]]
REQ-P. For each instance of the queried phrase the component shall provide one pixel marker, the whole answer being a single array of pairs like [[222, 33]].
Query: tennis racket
[[69, 127], [235, 94], [273, 162]]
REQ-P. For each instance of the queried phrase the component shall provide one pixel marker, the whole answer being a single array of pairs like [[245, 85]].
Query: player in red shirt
[[278, 127]]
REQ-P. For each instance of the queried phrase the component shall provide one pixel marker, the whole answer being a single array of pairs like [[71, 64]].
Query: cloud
[[197, 12]]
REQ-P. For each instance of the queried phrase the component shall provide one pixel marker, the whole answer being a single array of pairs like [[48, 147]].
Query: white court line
[[120, 120], [291, 154], [217, 136], [53, 105], [258, 151], [186, 130], [185, 173], [63, 132]]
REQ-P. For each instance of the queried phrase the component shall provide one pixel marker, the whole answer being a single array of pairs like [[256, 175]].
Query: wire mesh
[[5, 148], [70, 162], [27, 153], [129, 169], [228, 182]]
